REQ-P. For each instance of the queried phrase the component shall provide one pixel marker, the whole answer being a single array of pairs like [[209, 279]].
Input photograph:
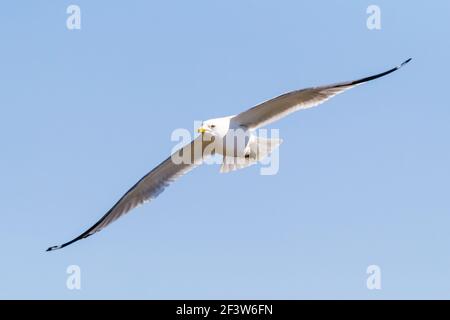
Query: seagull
[[214, 134]]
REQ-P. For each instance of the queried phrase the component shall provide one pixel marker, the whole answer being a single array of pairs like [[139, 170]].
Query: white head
[[215, 127]]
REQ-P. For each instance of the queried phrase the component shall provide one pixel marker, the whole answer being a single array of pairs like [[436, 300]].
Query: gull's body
[[215, 135]]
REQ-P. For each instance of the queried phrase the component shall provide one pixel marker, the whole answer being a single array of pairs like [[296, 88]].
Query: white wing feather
[[149, 187], [288, 103]]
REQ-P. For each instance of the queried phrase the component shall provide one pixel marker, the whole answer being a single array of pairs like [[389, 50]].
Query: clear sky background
[[364, 179]]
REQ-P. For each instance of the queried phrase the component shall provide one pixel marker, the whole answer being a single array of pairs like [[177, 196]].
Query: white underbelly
[[234, 145]]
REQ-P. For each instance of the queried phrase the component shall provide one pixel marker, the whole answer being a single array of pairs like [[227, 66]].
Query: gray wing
[[150, 186], [288, 103]]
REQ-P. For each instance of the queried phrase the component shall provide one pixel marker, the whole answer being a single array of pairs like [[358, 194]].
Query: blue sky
[[363, 179]]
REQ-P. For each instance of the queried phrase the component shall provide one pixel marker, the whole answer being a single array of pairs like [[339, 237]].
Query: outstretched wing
[[150, 186], [288, 103]]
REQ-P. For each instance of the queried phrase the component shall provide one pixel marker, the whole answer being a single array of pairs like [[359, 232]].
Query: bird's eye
[[212, 126]]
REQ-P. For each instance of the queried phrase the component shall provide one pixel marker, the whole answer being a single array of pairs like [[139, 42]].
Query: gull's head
[[215, 127]]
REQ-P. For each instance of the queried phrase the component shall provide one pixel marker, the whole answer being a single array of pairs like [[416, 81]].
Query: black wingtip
[[69, 243], [405, 62], [363, 80], [53, 248]]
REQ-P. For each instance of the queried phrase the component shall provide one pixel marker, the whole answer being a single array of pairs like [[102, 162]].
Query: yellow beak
[[201, 130]]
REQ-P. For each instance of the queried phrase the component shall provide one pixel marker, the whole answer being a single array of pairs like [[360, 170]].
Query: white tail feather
[[259, 148]]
